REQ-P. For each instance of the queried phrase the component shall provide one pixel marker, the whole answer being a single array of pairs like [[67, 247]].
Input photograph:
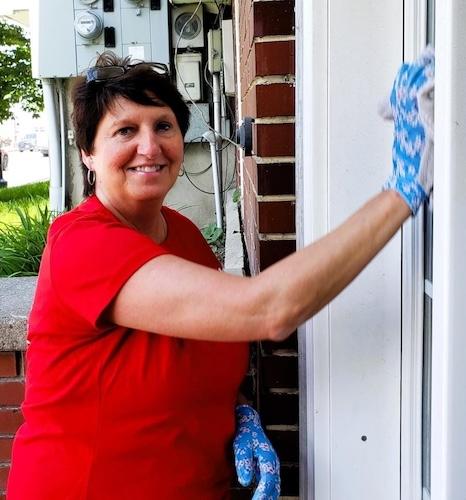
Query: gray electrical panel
[[67, 35]]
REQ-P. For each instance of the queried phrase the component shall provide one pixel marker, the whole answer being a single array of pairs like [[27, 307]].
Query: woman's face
[[137, 153]]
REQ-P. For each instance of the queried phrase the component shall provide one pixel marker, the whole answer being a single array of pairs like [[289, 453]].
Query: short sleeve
[[91, 259]]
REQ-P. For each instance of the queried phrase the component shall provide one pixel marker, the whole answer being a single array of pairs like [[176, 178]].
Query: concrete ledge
[[16, 295], [234, 253]]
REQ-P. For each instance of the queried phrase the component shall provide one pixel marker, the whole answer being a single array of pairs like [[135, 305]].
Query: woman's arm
[[175, 297]]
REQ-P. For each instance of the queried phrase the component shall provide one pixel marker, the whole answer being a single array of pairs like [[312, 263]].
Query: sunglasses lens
[[160, 69], [104, 73]]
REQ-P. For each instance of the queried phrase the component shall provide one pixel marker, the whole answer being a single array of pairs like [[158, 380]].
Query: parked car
[[43, 150], [25, 146], [3, 158]]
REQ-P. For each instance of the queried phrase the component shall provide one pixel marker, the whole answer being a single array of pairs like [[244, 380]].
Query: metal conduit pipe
[[211, 138], [61, 103], [53, 126], [218, 126]]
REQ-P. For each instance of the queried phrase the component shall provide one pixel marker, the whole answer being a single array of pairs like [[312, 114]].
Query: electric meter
[[188, 26], [88, 25], [88, 2]]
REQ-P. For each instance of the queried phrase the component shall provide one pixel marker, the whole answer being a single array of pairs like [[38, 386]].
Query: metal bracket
[[244, 135]]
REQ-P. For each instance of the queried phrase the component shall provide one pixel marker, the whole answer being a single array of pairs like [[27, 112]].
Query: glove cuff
[[413, 194], [246, 414]]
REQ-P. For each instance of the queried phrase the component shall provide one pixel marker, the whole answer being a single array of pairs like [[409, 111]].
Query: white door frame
[[449, 309]]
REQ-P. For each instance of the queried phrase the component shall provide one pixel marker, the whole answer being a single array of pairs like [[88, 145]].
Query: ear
[[86, 158]]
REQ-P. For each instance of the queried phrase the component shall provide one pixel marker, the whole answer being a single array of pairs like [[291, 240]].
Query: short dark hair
[[140, 83]]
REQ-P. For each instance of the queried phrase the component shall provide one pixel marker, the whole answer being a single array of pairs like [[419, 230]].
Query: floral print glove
[[411, 107], [255, 457]]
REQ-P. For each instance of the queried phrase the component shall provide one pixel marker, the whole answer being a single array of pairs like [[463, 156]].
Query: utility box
[[67, 35], [214, 51], [188, 75]]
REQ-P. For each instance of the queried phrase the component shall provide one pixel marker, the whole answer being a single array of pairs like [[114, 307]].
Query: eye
[[164, 126], [124, 131]]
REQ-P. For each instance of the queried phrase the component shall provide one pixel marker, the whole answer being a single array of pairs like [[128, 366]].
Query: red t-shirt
[[113, 413]]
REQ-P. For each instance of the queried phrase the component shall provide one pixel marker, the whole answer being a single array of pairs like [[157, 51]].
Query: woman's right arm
[[178, 298], [175, 297]]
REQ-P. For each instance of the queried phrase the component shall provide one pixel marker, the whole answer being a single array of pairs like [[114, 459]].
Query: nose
[[148, 144]]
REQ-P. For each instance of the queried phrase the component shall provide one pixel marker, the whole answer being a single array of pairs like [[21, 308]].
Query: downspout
[[212, 139], [62, 102], [55, 156], [217, 128]]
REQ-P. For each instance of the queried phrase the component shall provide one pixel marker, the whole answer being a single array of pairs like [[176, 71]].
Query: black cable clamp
[[244, 135]]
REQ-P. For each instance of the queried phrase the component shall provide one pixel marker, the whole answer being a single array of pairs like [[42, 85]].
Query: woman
[[138, 344]]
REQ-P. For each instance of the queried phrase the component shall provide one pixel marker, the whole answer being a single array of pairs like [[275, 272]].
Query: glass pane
[[427, 343], [427, 391]]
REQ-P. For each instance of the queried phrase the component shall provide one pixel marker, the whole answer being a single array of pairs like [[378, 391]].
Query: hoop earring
[[90, 177]]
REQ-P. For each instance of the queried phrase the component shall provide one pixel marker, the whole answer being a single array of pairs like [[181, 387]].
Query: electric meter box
[[67, 35], [188, 75]]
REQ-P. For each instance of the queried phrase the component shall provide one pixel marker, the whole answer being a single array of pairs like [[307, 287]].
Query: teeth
[[154, 168]]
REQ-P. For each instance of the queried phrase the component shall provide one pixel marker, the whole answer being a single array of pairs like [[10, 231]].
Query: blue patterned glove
[[255, 457], [411, 107]]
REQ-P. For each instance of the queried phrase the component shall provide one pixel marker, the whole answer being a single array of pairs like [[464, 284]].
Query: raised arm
[[178, 298], [175, 297]]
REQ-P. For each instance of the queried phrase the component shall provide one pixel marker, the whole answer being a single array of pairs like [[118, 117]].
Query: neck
[[146, 217]]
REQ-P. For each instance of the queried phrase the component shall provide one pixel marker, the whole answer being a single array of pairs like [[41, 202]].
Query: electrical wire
[[196, 107], [189, 174]]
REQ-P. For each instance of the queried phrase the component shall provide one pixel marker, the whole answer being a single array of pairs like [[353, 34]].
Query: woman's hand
[[411, 108], [255, 456]]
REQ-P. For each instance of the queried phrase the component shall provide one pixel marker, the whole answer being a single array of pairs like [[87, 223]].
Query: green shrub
[[26, 192], [21, 246], [29, 198]]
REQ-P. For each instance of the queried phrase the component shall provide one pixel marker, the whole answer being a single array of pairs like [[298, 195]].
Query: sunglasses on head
[[104, 73]]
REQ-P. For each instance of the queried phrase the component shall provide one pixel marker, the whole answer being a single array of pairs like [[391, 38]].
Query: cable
[[182, 81]]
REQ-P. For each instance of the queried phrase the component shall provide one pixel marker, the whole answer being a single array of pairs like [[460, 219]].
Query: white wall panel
[[365, 48], [351, 351]]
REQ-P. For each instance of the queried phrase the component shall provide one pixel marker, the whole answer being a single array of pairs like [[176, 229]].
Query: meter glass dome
[[191, 28]]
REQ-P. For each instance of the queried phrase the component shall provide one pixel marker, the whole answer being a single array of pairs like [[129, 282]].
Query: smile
[[147, 169]]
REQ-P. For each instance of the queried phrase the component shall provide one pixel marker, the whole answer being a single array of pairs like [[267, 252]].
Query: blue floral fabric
[[255, 458], [410, 142]]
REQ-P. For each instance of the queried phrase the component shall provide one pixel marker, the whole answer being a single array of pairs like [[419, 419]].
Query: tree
[[16, 82]]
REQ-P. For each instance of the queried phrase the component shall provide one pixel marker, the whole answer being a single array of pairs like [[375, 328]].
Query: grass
[[24, 222], [30, 198]]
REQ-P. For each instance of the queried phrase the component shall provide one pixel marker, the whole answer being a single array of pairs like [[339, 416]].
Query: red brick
[[7, 364], [274, 58], [277, 217], [279, 408], [11, 393], [289, 480], [279, 372], [274, 18], [286, 444], [277, 99], [275, 178], [5, 449], [3, 477], [10, 420], [274, 139], [272, 251]]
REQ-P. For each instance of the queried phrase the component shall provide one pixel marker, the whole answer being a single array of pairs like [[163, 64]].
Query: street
[[26, 167]]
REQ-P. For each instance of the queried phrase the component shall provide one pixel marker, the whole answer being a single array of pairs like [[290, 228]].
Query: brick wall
[[266, 41], [11, 397]]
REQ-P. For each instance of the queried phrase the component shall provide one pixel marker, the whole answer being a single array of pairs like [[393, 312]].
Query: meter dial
[[89, 25], [188, 26]]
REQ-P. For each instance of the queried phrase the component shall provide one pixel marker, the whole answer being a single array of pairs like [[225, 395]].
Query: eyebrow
[[123, 121]]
